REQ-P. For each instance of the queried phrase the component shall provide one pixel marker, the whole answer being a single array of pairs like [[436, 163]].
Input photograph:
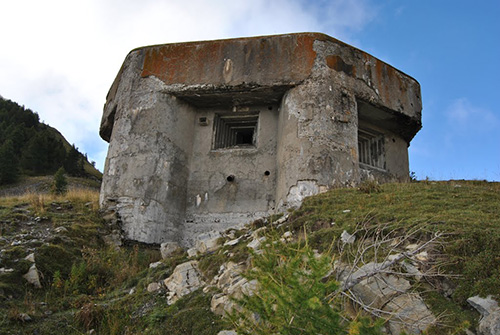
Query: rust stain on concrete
[[254, 60]]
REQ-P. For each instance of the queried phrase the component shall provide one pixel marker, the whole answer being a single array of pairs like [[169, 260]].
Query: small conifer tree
[[293, 296], [60, 182]]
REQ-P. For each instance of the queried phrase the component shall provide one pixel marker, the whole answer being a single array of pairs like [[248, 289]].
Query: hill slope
[[31, 148], [86, 282]]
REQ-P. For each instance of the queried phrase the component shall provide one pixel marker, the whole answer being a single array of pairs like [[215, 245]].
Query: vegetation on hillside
[[90, 284], [30, 147]]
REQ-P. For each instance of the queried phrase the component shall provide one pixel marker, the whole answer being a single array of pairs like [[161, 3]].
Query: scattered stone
[[255, 244], [413, 270], [377, 290], [227, 332], [422, 256], [232, 242], [490, 325], [490, 314], [61, 229], [155, 264], [6, 270], [153, 287], [281, 220], [207, 242], [132, 291], [410, 314], [30, 258], [347, 238], [346, 211], [192, 252], [391, 294], [168, 248], [287, 235], [33, 277], [485, 306], [411, 247], [24, 317], [184, 280], [232, 284]]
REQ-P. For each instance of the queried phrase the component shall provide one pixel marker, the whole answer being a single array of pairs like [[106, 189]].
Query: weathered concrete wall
[[165, 179], [213, 201]]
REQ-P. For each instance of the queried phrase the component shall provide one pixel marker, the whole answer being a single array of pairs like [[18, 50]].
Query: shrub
[[293, 296], [60, 183]]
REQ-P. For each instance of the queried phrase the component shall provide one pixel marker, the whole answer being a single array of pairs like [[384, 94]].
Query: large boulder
[[388, 295]]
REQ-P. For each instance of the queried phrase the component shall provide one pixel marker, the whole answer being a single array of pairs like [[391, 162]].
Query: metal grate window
[[371, 148], [235, 131]]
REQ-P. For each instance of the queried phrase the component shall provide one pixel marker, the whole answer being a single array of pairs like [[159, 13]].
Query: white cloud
[[463, 115], [59, 57]]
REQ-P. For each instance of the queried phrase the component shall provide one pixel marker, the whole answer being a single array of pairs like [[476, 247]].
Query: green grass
[[86, 283]]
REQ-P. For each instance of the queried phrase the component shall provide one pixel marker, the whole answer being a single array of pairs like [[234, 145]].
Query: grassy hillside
[[88, 283]]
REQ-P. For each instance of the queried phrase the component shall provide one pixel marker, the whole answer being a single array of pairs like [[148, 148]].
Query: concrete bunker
[[214, 134]]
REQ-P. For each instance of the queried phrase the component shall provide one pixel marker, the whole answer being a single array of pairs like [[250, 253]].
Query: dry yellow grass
[[38, 201]]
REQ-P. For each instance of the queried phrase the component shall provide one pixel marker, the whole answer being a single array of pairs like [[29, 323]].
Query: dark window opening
[[235, 131], [244, 136], [371, 148]]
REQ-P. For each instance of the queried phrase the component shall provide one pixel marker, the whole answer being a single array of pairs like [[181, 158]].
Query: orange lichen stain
[[354, 154], [287, 58], [336, 63]]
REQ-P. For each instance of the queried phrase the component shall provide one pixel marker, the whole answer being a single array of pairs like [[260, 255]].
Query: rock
[[490, 314], [30, 258], [61, 229], [490, 325], [184, 280], [192, 252], [221, 304], [422, 256], [153, 287], [281, 220], [377, 290], [485, 306], [24, 317], [412, 247], [255, 244], [168, 248], [33, 277], [287, 236], [132, 290], [409, 313], [155, 264], [6, 270], [388, 292], [227, 332], [347, 238], [232, 284], [232, 242], [413, 270], [207, 242]]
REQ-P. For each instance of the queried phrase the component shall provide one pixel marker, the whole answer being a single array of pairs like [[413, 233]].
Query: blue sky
[[60, 57]]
